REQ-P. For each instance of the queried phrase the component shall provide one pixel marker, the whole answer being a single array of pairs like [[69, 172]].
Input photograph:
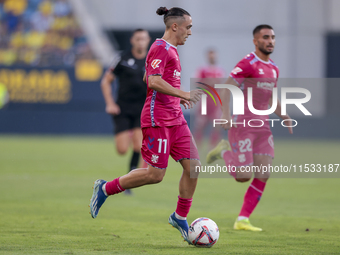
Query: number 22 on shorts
[[245, 145]]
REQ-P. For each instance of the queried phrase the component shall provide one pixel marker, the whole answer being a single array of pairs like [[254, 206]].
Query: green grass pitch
[[45, 187]]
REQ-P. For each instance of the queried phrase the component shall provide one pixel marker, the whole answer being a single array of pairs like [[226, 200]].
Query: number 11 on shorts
[[160, 141]]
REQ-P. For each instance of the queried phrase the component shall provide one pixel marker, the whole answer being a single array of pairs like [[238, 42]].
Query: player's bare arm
[[225, 97], [156, 82], [111, 106], [284, 117], [144, 77]]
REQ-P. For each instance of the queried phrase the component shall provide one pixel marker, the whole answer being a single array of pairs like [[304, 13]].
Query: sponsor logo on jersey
[[154, 158], [266, 85], [261, 71], [242, 158], [155, 63], [177, 74], [131, 62], [236, 70]]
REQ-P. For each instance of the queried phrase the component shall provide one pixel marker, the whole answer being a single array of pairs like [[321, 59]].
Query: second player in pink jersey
[[165, 131], [261, 76], [250, 137]]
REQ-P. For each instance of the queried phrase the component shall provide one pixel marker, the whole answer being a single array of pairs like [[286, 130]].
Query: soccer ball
[[203, 232]]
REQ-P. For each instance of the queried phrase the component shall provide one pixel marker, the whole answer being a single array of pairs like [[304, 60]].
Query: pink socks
[[252, 197], [113, 187], [183, 206]]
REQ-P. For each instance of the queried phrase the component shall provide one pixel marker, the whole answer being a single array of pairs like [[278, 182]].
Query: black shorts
[[126, 120]]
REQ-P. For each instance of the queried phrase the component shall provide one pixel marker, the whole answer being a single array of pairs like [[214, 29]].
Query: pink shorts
[[160, 142], [246, 142]]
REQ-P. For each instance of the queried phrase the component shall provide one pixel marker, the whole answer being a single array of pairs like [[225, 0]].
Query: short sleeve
[[157, 61], [115, 66], [241, 71], [278, 72], [117, 70]]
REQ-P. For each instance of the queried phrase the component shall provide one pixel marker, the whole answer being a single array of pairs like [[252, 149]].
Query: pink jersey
[[211, 75], [262, 77], [210, 72], [159, 109]]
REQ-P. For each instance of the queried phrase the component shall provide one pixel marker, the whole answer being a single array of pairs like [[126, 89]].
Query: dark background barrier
[[69, 106], [69, 100]]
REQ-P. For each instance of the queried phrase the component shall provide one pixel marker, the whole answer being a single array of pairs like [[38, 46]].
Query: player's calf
[[262, 176], [142, 176]]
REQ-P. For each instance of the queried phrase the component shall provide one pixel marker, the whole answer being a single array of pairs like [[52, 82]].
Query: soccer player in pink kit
[[210, 74], [251, 145], [165, 131]]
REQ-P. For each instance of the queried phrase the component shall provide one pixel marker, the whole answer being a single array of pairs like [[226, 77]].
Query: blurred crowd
[[40, 33]]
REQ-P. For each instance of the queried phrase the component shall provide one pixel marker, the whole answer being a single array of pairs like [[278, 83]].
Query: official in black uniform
[[131, 95]]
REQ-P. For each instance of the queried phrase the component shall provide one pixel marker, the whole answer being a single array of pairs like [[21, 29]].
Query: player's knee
[[121, 151], [194, 169], [242, 179], [155, 177], [264, 176], [243, 176]]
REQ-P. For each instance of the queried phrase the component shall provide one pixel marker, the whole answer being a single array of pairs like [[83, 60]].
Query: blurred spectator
[[16, 7], [40, 33], [61, 8], [42, 19]]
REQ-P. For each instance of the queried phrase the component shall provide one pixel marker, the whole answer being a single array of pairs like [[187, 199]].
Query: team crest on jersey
[[155, 63], [275, 73], [236, 70], [242, 158], [154, 158], [261, 71]]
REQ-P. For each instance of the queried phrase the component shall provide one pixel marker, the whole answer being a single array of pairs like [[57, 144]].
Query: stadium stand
[[40, 33]]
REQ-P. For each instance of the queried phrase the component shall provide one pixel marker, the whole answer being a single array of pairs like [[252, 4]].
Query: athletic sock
[[228, 159], [180, 217], [183, 207], [252, 197], [134, 160], [113, 187], [104, 189]]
